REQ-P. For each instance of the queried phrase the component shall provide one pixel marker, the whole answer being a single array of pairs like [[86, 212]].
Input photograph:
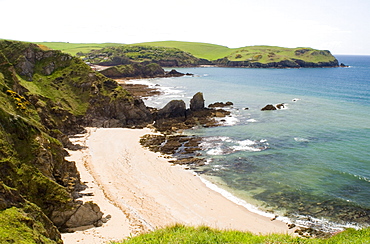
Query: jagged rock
[[173, 109], [268, 107], [25, 68], [280, 106], [49, 69], [9, 198], [220, 105], [197, 102], [103, 112], [175, 73], [87, 214]]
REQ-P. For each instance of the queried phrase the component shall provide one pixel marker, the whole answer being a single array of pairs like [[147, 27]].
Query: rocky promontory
[[138, 71]]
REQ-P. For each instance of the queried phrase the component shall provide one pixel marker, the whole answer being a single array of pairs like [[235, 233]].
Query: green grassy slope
[[74, 48], [180, 234], [260, 54], [198, 49], [266, 54]]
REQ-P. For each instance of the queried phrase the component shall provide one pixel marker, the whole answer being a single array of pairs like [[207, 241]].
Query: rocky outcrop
[[197, 102], [273, 107], [220, 105], [268, 107], [119, 112], [174, 116], [173, 109], [136, 70], [87, 214]]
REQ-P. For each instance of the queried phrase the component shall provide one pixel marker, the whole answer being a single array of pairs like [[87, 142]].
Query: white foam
[[247, 145], [299, 139], [217, 138], [215, 151], [252, 120], [323, 224], [285, 106], [228, 120], [239, 201]]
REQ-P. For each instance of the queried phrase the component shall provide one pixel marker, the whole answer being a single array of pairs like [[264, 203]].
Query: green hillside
[[118, 55], [74, 48], [198, 49], [250, 56], [266, 54]]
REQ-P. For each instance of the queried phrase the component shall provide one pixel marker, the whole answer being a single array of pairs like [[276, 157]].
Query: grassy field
[[73, 48], [266, 54], [198, 49], [180, 234], [262, 54]]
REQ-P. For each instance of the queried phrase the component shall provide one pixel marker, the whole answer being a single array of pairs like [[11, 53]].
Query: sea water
[[309, 161]]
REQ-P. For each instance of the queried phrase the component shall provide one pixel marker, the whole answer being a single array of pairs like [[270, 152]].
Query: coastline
[[142, 191]]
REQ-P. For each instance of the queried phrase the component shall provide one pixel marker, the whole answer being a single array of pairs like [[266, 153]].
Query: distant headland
[[191, 54]]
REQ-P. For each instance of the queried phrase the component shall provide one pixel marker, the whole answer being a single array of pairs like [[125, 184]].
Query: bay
[[309, 161]]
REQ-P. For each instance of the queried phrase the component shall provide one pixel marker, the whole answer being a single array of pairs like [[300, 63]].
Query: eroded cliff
[[46, 95]]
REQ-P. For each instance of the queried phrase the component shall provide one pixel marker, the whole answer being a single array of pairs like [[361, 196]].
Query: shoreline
[[142, 191]]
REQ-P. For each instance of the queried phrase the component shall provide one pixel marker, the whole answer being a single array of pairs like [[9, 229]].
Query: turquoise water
[[309, 161]]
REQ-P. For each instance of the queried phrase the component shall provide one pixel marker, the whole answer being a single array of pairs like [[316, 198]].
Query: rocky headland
[[246, 57]]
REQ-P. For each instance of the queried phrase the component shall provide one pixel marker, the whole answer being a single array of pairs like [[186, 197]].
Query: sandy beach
[[142, 191]]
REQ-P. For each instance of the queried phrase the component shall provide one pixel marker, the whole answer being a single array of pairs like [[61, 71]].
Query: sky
[[341, 26]]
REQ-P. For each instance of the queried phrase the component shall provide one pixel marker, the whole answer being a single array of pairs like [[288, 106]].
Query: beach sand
[[142, 191]]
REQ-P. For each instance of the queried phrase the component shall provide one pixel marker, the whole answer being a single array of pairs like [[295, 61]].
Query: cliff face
[[44, 96]]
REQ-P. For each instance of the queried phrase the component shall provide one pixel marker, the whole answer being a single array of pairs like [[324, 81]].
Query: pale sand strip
[[152, 194]]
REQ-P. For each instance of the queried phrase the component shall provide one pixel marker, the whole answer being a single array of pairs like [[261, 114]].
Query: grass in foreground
[[182, 234]]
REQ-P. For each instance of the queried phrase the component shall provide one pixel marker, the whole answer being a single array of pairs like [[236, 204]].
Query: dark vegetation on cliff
[[119, 55], [46, 95]]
